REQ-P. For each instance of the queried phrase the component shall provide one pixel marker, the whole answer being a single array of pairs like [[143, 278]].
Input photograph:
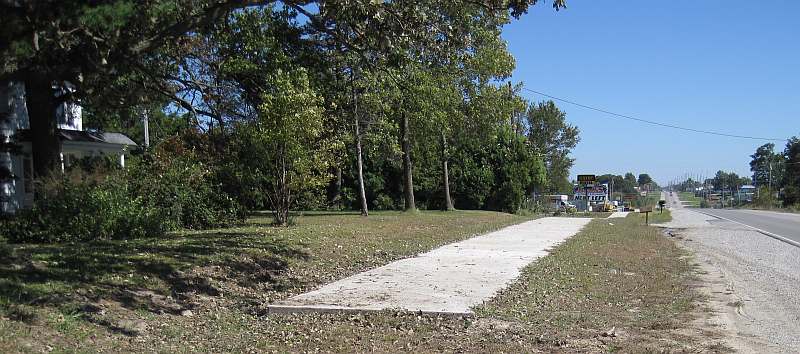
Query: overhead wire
[[624, 116]]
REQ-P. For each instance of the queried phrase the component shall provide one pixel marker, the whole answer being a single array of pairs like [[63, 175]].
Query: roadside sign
[[629, 196], [646, 210], [586, 179]]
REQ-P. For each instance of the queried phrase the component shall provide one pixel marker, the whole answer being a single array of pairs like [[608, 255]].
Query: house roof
[[86, 136]]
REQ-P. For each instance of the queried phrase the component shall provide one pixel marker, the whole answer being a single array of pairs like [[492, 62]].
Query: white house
[[16, 184]]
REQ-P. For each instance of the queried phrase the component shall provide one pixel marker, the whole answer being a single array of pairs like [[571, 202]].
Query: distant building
[[16, 165], [746, 192]]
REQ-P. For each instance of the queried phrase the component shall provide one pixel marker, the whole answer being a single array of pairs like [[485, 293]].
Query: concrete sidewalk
[[450, 279]]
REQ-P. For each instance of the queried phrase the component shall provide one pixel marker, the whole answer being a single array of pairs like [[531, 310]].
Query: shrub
[[183, 188], [159, 192], [384, 202], [76, 207]]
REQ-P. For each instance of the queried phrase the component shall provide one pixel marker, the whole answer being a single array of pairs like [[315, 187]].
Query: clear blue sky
[[730, 66]]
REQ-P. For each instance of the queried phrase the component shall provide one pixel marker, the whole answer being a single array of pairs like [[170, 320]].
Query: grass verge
[[689, 197], [112, 295], [617, 285]]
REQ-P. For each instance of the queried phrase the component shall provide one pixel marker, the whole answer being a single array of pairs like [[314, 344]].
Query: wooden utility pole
[[146, 127]]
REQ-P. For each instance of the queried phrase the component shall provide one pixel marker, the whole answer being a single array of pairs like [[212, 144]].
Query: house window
[[69, 160], [4, 104], [27, 174]]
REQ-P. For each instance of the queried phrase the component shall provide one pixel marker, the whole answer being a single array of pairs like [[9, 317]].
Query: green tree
[[630, 182], [791, 194], [767, 167], [285, 148], [92, 44], [644, 179], [550, 133]]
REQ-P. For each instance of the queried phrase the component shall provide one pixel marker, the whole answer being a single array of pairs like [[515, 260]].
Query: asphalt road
[[783, 224]]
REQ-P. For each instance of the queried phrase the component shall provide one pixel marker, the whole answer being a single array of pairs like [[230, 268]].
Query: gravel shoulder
[[752, 281]]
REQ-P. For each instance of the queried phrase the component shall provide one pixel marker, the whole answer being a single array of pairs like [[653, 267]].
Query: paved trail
[[449, 279]]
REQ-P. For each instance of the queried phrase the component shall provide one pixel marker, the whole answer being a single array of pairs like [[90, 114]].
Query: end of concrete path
[[292, 309]]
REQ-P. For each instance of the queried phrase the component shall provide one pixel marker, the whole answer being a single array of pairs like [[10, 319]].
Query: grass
[[58, 295], [621, 287], [650, 200], [689, 197], [617, 285]]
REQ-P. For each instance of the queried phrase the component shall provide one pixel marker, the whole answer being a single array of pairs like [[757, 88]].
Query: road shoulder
[[748, 279]]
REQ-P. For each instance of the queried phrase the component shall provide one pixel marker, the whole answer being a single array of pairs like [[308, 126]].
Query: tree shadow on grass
[[153, 275]]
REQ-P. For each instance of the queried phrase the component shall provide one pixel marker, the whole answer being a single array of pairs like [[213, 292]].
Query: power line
[[653, 122]]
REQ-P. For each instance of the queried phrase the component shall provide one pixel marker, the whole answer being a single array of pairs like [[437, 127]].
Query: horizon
[[708, 69]]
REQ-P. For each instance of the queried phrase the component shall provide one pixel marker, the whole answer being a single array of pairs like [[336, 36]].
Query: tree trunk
[[281, 199], [448, 202], [337, 193], [362, 195], [41, 104], [408, 180]]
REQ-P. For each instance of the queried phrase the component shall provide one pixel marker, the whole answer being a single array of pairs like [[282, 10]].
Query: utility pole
[[770, 181], [146, 127]]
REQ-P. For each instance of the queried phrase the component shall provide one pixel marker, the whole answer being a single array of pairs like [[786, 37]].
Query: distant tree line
[[775, 174], [628, 183]]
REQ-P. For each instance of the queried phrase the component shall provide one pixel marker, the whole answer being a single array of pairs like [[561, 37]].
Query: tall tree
[[550, 133], [767, 167], [49, 43], [644, 179], [792, 175], [89, 44]]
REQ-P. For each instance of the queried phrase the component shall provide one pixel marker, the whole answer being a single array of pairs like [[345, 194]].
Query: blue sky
[[729, 66]]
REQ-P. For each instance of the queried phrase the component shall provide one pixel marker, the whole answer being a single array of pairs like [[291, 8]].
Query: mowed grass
[[617, 285], [113, 293], [690, 198]]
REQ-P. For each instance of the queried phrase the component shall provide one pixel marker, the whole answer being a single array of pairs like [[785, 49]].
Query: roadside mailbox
[[661, 204]]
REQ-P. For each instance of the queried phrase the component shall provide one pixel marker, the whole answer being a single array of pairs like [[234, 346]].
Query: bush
[[76, 207], [159, 192], [183, 188], [384, 202]]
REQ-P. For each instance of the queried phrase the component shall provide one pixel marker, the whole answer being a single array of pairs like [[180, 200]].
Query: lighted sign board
[[586, 179]]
